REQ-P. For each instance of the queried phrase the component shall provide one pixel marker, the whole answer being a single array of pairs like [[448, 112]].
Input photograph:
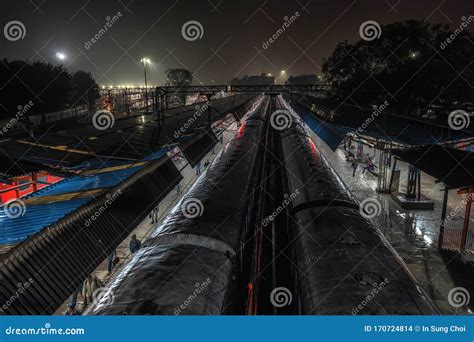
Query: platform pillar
[[443, 217]]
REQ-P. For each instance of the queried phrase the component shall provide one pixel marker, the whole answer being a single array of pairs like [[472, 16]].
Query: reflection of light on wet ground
[[402, 215], [426, 238]]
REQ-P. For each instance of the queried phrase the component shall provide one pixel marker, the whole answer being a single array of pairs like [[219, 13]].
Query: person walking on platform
[[135, 244]]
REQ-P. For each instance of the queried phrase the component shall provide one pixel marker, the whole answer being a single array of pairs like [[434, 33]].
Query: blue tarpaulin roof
[[50, 204]]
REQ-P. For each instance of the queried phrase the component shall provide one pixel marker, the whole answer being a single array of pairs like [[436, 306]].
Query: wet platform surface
[[414, 233]]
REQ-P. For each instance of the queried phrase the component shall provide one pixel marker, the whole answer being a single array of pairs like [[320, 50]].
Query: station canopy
[[453, 167], [332, 121]]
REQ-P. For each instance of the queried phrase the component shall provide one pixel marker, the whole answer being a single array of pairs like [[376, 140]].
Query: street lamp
[[60, 55], [413, 54], [145, 61]]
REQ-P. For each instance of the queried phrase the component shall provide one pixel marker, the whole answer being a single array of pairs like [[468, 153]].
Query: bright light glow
[[61, 56], [145, 60], [414, 54], [269, 75], [283, 72]]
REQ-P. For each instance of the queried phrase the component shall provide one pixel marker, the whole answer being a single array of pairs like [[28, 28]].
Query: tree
[[179, 78], [47, 86], [85, 90], [410, 65]]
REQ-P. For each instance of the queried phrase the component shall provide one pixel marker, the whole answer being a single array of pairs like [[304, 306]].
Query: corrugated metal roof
[[35, 218], [128, 139]]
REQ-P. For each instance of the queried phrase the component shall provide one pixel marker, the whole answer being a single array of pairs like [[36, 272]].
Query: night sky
[[231, 44]]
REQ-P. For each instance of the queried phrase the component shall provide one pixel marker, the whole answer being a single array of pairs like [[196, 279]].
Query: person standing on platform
[[111, 259], [198, 168], [354, 166]]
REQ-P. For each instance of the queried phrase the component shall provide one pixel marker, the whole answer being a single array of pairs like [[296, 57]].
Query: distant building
[[262, 79]]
